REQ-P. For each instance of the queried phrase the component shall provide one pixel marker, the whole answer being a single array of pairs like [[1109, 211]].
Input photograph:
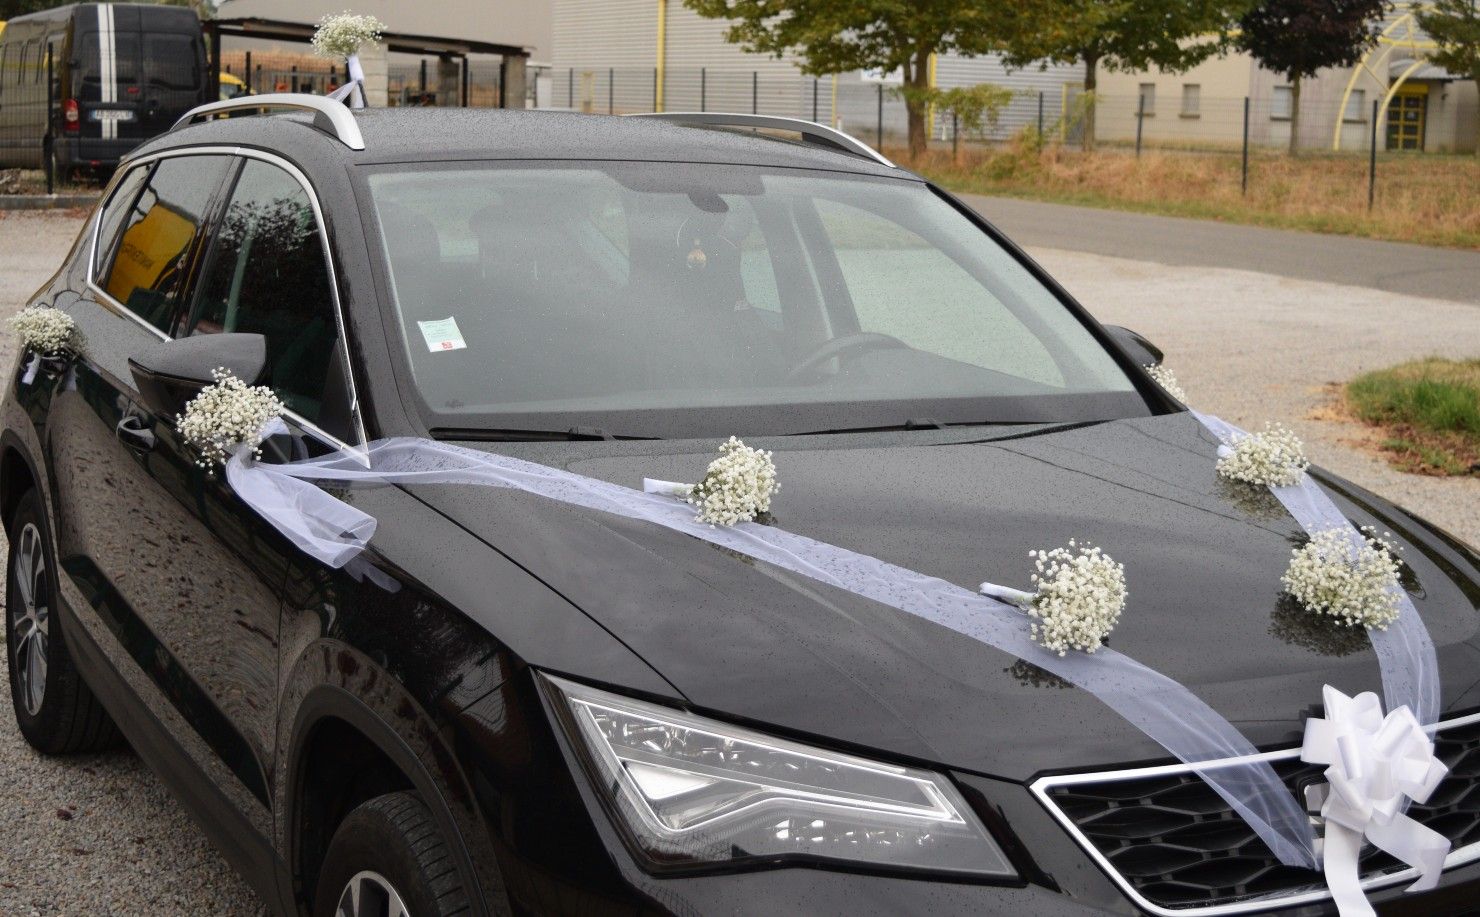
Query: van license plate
[[112, 114]]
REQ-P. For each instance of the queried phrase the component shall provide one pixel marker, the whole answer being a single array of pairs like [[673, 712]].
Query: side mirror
[[170, 373], [1141, 350]]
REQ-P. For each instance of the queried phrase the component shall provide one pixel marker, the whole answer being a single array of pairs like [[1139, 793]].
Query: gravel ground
[[99, 835]]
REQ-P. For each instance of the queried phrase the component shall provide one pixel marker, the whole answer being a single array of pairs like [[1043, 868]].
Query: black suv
[[509, 703]]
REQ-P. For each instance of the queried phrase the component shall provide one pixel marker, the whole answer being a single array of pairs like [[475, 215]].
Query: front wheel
[[388, 859]]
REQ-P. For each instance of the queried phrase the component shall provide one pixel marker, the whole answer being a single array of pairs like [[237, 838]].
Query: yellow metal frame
[[1402, 32], [662, 75]]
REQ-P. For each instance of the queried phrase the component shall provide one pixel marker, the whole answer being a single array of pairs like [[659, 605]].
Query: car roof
[[430, 134]]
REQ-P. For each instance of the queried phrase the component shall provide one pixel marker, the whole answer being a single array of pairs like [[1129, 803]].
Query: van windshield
[[688, 300]]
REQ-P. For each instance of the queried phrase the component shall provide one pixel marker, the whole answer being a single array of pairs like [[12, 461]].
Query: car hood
[[1203, 560]]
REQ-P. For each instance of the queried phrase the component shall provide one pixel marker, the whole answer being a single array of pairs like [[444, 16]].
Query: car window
[[266, 274], [170, 61], [111, 221], [903, 286], [149, 264]]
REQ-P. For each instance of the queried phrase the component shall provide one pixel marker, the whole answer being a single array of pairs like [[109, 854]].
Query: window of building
[[1282, 103], [1148, 98], [1191, 100], [1356, 106], [267, 275], [146, 270]]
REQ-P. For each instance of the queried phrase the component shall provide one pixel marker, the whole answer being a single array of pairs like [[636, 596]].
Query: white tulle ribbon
[[32, 368], [1376, 765]]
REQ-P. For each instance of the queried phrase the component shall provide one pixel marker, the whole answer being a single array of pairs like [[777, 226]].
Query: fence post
[[466, 94], [1040, 117], [955, 137], [423, 87], [755, 92], [814, 98], [48, 139], [1140, 120], [881, 118], [293, 77], [570, 88], [247, 71], [655, 89], [611, 90], [703, 88], [1244, 187], [1372, 160]]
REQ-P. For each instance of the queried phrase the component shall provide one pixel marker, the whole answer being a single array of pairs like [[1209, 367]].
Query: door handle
[[135, 432]]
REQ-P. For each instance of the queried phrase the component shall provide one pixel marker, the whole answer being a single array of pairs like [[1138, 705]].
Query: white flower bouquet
[[227, 415], [1274, 458], [47, 332], [737, 487], [1352, 578], [1081, 593], [1167, 379], [342, 34]]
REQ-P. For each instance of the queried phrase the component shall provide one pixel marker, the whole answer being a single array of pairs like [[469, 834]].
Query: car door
[[161, 556]]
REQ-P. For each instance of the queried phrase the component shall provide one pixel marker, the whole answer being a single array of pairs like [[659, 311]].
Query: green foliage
[[977, 109], [1300, 37], [9, 9], [1455, 26], [1124, 34]]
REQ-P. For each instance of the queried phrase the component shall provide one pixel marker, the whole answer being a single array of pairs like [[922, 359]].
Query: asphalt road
[[1394, 267]]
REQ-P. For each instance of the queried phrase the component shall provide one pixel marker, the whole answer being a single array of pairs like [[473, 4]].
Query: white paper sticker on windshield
[[442, 335]]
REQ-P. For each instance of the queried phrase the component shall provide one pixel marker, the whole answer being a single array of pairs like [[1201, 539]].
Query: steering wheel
[[846, 346]]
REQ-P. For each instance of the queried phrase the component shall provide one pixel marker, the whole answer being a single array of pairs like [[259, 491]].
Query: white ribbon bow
[[1374, 762]]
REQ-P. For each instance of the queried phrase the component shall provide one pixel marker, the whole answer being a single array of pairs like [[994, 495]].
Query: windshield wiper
[[502, 435], [914, 423]]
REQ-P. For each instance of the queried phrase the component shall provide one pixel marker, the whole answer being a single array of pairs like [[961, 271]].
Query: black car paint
[[426, 648]]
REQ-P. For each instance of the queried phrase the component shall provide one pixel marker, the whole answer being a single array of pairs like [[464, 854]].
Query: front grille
[[1172, 841]]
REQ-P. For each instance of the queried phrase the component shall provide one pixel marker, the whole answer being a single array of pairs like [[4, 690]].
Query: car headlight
[[690, 790]]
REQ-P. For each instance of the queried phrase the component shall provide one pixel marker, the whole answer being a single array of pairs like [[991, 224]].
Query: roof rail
[[329, 115], [811, 131]]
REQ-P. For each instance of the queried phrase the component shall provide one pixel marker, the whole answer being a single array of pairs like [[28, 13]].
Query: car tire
[[389, 850], [56, 711]]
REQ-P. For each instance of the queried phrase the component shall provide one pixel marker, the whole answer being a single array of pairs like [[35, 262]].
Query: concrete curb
[[48, 201]]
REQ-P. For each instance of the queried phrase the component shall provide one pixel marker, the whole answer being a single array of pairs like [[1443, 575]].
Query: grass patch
[[1429, 199], [1429, 411]]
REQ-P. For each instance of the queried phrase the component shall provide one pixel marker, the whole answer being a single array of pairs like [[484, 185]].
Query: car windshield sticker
[[442, 335]]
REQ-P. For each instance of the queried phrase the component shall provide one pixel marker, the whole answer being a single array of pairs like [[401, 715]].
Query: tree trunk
[[1091, 80], [918, 78], [1295, 115]]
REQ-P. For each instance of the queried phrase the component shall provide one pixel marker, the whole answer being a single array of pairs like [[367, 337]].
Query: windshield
[[672, 300]]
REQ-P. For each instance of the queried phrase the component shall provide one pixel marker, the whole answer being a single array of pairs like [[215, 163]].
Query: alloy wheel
[[369, 894], [31, 619]]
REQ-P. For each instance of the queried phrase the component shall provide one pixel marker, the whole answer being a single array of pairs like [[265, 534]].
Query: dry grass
[[1428, 199]]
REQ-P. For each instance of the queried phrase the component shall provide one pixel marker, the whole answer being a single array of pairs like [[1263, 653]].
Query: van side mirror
[[1141, 350], [170, 373]]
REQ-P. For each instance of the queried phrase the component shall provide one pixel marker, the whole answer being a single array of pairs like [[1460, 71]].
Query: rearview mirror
[[1141, 350], [170, 373]]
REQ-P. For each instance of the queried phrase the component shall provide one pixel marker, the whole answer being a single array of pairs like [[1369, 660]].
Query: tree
[[1123, 35], [1454, 25], [974, 110], [9, 9], [1298, 38], [835, 36]]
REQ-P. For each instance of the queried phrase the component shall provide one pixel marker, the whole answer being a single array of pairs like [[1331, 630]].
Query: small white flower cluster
[[1081, 593], [226, 415], [340, 35], [46, 331], [737, 487], [1167, 380], [1357, 583], [1275, 458]]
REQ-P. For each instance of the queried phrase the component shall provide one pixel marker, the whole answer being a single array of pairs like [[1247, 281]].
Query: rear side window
[[267, 275], [148, 264]]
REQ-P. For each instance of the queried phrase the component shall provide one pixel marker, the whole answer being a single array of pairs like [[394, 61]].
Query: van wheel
[[56, 711], [388, 859]]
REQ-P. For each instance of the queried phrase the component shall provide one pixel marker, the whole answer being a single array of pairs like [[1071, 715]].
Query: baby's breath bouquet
[[342, 34], [737, 487], [225, 416], [1167, 380], [1352, 578], [1081, 593], [47, 332], [1274, 458]]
